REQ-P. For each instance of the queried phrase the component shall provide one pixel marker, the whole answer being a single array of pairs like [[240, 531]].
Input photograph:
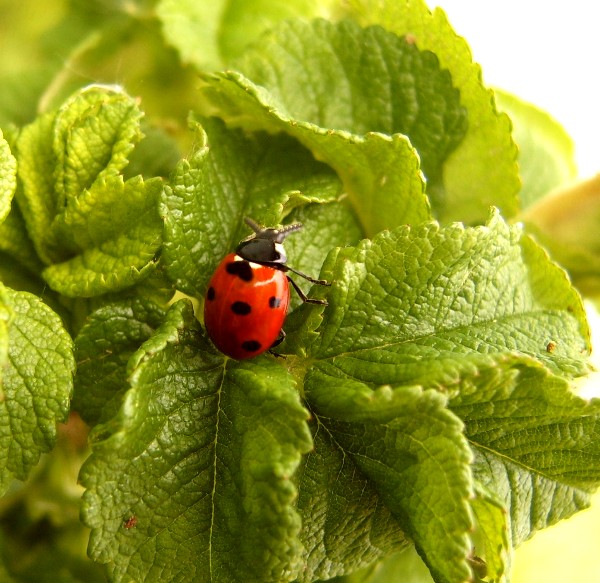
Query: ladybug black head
[[265, 245]]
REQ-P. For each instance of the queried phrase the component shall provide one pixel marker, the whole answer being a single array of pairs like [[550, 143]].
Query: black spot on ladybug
[[210, 294], [251, 345], [240, 268], [274, 302], [241, 308]]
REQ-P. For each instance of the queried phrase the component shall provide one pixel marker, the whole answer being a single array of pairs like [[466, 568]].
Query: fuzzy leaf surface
[[286, 84], [36, 381], [8, 177], [118, 230], [487, 155], [536, 444], [201, 454], [103, 347], [228, 177], [410, 305]]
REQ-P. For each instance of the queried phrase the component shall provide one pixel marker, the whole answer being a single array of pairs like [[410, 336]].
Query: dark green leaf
[[228, 177], [344, 524], [358, 133], [201, 455], [537, 446], [103, 347], [381, 82], [414, 454]]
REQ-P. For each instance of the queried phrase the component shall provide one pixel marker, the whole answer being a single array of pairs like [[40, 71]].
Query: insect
[[248, 295], [130, 522]]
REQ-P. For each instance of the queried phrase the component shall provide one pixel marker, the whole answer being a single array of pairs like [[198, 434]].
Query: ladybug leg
[[307, 277], [277, 342], [303, 296]]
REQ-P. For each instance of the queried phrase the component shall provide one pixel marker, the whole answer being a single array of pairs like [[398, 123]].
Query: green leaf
[[228, 177], [15, 243], [380, 173], [492, 534], [64, 155], [37, 197], [202, 455], [546, 151], [382, 83], [325, 226], [103, 347], [344, 523], [414, 453], [487, 155], [359, 134], [417, 305], [8, 177], [208, 35], [94, 132], [566, 223], [118, 230], [536, 445], [36, 367]]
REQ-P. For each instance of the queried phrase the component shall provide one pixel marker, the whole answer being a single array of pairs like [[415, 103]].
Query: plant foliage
[[429, 404]]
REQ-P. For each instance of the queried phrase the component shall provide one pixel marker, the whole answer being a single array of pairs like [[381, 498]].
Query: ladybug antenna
[[253, 225], [277, 235]]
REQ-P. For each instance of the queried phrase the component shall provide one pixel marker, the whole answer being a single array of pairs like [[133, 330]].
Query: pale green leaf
[[37, 365], [37, 197], [117, 227], [492, 536], [94, 132], [546, 151], [483, 171], [15, 242], [414, 305], [64, 154], [209, 34], [8, 178], [566, 223]]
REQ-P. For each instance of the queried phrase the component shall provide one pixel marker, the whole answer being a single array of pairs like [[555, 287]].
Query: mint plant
[[430, 405]]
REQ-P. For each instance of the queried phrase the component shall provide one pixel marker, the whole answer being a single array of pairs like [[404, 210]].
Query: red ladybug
[[248, 295]]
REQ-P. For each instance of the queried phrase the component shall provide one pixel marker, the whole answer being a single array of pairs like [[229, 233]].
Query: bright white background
[[547, 53]]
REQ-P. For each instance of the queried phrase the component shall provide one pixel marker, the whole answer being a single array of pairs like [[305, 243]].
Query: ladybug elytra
[[248, 295]]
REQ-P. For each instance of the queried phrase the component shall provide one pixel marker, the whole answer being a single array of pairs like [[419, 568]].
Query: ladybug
[[248, 295]]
